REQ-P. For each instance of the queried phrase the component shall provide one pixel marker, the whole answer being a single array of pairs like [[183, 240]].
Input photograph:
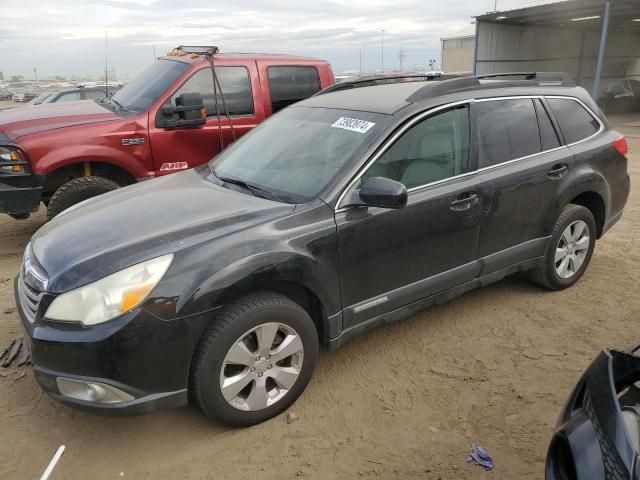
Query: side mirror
[[384, 193], [188, 112]]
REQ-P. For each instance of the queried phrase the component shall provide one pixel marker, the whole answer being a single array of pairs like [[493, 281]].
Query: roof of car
[[390, 98]]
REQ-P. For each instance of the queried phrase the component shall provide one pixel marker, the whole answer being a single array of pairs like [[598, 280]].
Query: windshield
[[296, 153], [144, 89], [41, 99]]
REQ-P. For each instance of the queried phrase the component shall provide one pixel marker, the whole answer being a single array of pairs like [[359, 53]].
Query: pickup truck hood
[[16, 122], [167, 215]]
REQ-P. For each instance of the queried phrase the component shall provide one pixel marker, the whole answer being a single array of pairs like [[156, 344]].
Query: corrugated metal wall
[[512, 48]]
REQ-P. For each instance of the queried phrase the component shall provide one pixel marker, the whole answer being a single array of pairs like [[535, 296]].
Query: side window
[[575, 122], [548, 136], [434, 149], [291, 84], [507, 129], [93, 94], [236, 90], [69, 97]]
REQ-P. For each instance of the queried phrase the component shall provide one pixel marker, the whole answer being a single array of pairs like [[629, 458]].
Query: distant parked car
[[98, 94], [621, 96]]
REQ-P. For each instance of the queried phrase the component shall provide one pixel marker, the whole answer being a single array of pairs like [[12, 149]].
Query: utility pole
[[360, 60], [382, 52], [155, 59], [401, 57], [35, 72], [106, 72]]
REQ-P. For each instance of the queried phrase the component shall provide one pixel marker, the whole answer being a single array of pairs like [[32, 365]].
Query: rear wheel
[[570, 249], [255, 360], [76, 191]]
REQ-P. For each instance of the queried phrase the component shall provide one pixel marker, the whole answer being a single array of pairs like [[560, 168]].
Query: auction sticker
[[353, 124]]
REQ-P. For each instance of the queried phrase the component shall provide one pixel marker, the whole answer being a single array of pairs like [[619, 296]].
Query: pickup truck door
[[175, 149]]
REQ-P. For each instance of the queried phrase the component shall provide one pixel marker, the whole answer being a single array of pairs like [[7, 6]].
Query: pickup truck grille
[[29, 299]]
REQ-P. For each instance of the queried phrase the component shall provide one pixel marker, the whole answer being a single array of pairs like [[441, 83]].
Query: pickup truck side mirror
[[188, 112], [380, 192]]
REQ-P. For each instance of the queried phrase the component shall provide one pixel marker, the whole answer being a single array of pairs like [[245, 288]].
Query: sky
[[67, 37]]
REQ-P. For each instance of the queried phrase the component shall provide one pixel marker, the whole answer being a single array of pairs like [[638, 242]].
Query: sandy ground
[[405, 401]]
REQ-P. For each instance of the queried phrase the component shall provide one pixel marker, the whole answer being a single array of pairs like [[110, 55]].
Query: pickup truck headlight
[[111, 296], [10, 161]]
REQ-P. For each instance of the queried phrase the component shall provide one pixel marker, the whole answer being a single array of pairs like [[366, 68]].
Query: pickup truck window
[[295, 154], [236, 89], [146, 88], [291, 84]]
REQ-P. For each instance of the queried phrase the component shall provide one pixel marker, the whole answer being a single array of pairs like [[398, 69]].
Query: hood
[[16, 122], [113, 231]]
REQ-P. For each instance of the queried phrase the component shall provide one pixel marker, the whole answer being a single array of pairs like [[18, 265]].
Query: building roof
[[576, 14], [466, 32]]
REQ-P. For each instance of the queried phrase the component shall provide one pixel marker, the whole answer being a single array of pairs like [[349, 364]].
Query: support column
[[603, 46], [475, 51]]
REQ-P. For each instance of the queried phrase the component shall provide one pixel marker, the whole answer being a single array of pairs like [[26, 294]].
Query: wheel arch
[[595, 203], [297, 291], [112, 171]]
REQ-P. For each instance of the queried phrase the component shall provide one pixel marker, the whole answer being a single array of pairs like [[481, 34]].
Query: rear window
[[507, 129], [291, 84], [548, 136], [575, 122]]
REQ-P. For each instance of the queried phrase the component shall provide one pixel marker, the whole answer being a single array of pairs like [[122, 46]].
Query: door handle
[[558, 171], [465, 203]]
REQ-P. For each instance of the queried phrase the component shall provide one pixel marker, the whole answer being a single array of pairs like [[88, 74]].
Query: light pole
[[382, 52]]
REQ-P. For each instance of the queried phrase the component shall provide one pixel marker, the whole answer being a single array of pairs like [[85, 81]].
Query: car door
[[520, 157], [181, 148], [390, 258]]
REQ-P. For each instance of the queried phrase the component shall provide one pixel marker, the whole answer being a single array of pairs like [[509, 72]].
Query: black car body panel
[[592, 440], [351, 267]]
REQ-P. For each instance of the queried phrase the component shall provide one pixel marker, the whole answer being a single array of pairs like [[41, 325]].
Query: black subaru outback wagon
[[344, 212]]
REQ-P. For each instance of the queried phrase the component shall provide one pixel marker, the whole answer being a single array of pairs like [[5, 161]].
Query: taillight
[[620, 144]]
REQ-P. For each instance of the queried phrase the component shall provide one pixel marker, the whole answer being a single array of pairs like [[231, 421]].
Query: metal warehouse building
[[457, 51], [595, 41]]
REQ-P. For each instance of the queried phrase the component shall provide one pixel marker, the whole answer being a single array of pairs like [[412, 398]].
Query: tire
[[238, 327], [550, 273], [76, 191]]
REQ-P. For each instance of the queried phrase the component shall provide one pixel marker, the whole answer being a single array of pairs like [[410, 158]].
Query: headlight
[[111, 296], [9, 158]]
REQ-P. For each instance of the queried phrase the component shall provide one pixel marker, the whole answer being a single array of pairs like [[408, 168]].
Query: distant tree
[[17, 78]]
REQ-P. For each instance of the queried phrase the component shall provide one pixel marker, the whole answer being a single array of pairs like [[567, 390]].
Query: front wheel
[[76, 191], [570, 249], [255, 360]]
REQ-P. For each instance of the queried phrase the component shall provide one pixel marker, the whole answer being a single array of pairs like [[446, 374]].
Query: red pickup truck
[[61, 154]]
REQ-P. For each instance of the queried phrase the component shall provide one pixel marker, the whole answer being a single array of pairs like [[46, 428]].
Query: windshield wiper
[[254, 189]]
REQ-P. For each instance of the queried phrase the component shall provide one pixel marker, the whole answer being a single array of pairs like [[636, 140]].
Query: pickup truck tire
[[569, 253], [254, 360], [77, 190]]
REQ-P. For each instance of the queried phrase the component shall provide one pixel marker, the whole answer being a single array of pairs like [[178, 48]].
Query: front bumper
[[20, 194], [138, 353]]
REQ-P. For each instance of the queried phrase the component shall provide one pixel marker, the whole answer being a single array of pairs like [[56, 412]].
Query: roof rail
[[543, 78], [372, 80], [194, 50], [469, 83]]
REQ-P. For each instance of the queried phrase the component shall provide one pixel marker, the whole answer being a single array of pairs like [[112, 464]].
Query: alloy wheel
[[572, 249], [261, 367]]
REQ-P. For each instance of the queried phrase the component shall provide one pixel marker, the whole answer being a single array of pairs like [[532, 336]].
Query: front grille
[[29, 299]]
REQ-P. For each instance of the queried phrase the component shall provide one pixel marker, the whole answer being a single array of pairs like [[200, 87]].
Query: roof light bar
[[580, 19]]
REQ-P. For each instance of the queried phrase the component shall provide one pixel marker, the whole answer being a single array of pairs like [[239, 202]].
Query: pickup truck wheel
[[572, 242], [255, 360], [77, 190]]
